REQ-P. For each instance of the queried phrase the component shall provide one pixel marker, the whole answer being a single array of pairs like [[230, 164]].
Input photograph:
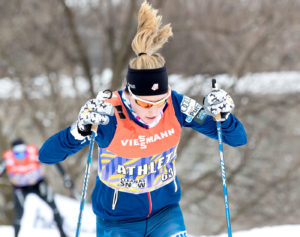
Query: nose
[[152, 111]]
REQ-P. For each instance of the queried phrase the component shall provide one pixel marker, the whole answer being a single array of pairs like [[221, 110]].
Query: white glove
[[218, 102], [94, 112]]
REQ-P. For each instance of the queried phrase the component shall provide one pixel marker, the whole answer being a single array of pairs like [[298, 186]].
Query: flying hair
[[150, 37]]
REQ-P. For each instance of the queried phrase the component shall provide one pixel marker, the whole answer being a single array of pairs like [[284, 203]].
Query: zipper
[[150, 204], [115, 199]]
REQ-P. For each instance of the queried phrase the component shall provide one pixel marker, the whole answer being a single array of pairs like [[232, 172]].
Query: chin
[[148, 121]]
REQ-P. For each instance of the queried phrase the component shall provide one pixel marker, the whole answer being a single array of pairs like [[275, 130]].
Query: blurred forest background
[[80, 39]]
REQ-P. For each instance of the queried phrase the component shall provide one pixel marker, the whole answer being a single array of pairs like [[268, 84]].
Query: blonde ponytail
[[149, 39]]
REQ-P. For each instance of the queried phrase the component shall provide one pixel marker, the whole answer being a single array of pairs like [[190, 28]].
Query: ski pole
[[102, 95], [71, 187], [219, 129], [86, 177]]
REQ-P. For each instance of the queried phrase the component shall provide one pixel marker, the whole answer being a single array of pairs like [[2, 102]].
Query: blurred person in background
[[137, 192], [24, 172]]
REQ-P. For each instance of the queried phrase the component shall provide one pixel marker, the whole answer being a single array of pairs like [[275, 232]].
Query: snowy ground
[[276, 231], [37, 221], [38, 218]]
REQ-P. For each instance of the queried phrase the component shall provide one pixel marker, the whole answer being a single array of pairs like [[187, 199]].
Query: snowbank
[[263, 83], [38, 218]]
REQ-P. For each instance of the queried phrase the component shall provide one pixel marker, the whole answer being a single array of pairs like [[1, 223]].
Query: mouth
[[151, 118]]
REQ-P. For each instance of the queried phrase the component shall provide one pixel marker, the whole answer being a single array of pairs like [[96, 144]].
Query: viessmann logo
[[143, 141]]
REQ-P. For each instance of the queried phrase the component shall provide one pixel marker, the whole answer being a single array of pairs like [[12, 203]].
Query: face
[[19, 151], [148, 115]]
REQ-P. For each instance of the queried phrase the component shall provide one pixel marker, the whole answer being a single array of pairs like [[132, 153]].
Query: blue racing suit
[[110, 204]]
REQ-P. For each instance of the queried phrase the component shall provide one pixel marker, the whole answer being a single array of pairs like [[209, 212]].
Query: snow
[[9, 89], [38, 221], [263, 83], [38, 218], [272, 231]]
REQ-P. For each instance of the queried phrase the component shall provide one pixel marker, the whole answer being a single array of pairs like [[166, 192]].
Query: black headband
[[147, 81]]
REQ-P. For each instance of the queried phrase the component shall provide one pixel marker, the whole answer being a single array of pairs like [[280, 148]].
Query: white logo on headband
[[154, 87], [131, 86]]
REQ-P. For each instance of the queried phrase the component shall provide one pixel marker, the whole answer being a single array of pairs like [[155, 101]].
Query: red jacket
[[23, 172]]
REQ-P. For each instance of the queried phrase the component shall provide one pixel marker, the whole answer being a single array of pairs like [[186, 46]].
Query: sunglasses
[[148, 104]]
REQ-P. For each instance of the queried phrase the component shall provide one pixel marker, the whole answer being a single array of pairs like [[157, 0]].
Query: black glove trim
[[87, 130]]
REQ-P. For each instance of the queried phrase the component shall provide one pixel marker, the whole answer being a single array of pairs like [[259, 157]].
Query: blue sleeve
[[233, 132], [62, 144], [59, 146]]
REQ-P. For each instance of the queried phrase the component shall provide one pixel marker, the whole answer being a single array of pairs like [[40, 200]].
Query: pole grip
[[218, 117], [213, 84], [94, 128]]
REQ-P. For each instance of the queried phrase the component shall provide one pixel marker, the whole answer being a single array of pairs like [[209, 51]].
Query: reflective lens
[[148, 104]]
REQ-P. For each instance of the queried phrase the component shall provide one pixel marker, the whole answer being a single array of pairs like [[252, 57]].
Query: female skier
[[137, 192]]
